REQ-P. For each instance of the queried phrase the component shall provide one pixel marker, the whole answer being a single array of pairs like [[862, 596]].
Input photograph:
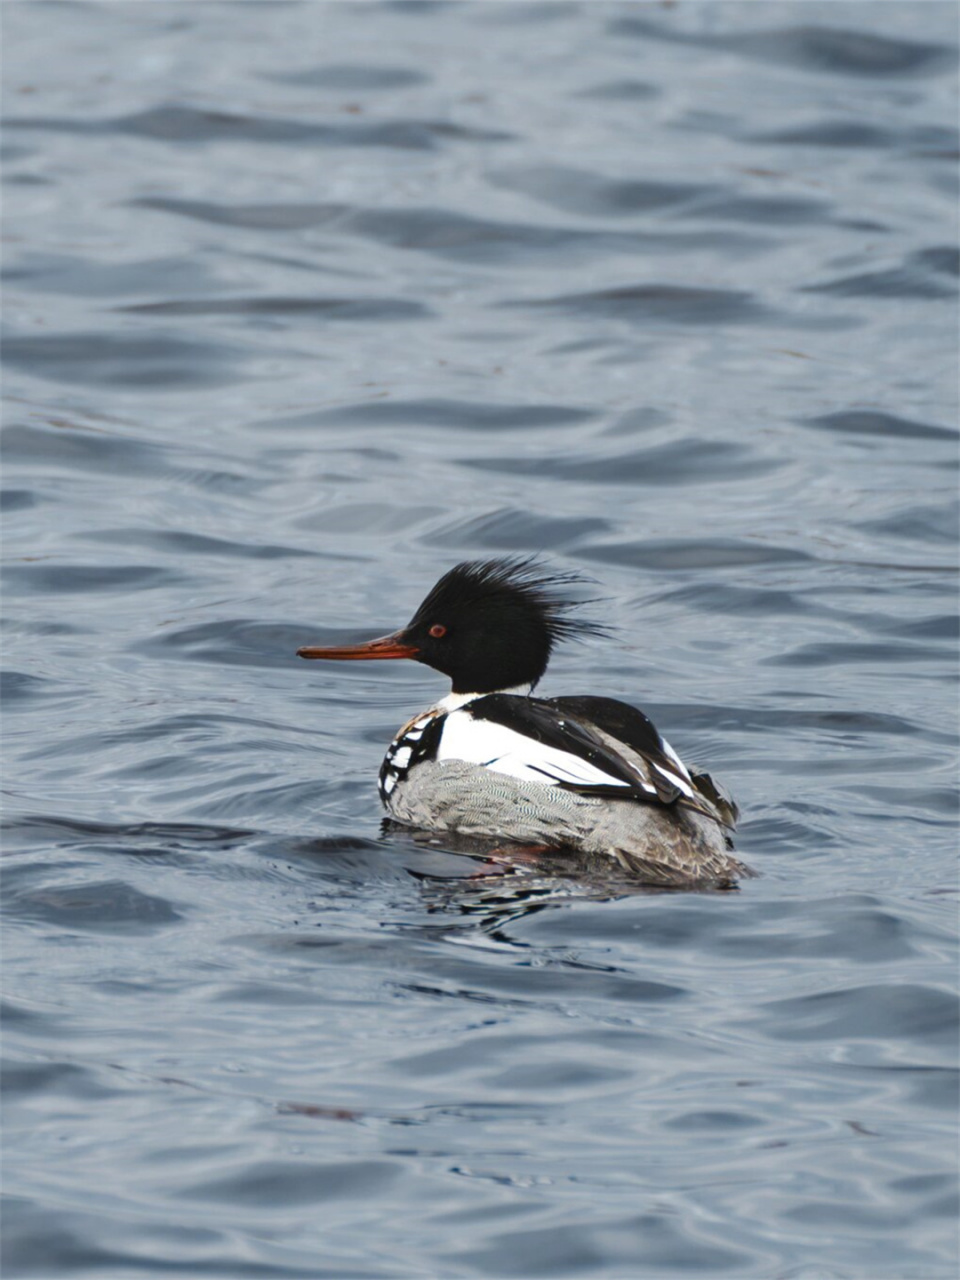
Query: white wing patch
[[505, 751], [680, 778]]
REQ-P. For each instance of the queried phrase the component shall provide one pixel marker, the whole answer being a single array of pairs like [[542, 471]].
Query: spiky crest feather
[[522, 581]]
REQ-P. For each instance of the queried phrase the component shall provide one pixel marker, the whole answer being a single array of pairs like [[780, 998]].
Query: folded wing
[[594, 746]]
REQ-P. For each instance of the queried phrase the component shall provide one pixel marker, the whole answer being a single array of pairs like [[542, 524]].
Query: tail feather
[[721, 805]]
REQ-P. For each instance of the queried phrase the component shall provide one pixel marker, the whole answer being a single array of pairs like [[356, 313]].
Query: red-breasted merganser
[[584, 773]]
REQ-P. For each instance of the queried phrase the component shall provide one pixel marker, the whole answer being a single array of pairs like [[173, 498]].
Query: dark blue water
[[305, 302]]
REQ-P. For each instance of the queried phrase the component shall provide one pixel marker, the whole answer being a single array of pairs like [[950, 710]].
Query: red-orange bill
[[394, 646]]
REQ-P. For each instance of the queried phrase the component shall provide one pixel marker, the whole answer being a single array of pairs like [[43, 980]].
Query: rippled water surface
[[304, 302]]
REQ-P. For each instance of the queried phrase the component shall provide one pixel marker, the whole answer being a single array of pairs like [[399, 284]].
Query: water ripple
[[160, 360], [303, 308], [184, 125], [820, 49]]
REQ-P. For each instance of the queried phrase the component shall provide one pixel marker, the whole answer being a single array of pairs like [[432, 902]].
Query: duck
[[581, 773]]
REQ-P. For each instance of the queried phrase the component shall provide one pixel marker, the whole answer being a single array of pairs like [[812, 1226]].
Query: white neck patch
[[453, 701]]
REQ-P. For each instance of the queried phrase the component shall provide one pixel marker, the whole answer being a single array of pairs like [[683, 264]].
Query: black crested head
[[492, 624]]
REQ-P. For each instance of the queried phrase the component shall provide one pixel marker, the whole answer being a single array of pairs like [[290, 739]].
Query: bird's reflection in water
[[502, 882], [493, 901]]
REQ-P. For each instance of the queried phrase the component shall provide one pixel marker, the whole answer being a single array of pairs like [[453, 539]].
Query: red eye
[[438, 631]]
